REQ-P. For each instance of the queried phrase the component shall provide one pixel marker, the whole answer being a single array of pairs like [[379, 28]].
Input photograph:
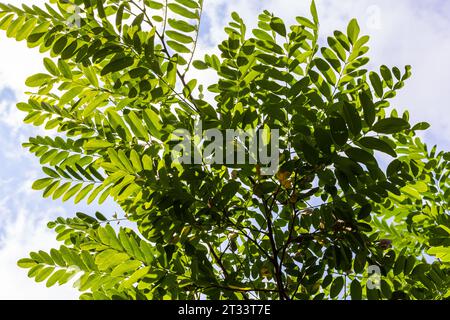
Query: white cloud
[[23, 218], [23, 230], [18, 63], [22, 235], [10, 116]]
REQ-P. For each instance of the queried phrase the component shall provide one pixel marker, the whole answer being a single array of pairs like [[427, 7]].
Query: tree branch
[[218, 260], [274, 258]]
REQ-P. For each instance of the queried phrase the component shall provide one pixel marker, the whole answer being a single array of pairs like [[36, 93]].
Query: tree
[[356, 193]]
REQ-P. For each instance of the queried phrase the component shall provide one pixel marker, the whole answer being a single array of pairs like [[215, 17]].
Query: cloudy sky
[[402, 32]]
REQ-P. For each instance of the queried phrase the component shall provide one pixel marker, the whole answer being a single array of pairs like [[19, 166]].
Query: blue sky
[[402, 32]]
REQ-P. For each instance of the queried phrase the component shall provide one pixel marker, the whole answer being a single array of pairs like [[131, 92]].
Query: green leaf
[[178, 47], [136, 125], [61, 190], [262, 35], [60, 44], [368, 108], [114, 157], [26, 29], [26, 263], [441, 252], [399, 265], [179, 37], [50, 189], [353, 31], [37, 80], [55, 277], [200, 65], [229, 191], [128, 191], [118, 124], [153, 123], [387, 75], [15, 26], [421, 126], [136, 276], [117, 65], [95, 144], [50, 172], [306, 22], [324, 140], [181, 25], [365, 211], [69, 95], [65, 69], [72, 191], [359, 155], [352, 118], [95, 193], [51, 67], [326, 70], [83, 193], [44, 274], [154, 5], [376, 84], [377, 144], [261, 189], [278, 26], [91, 75], [314, 14], [86, 218], [356, 290], [110, 259], [309, 152], [126, 267], [386, 289], [409, 264], [100, 216], [119, 16], [125, 161], [446, 156], [5, 22], [135, 160], [331, 58], [101, 9], [193, 4], [336, 287], [57, 257], [171, 74], [391, 125], [97, 102], [70, 50], [339, 130], [42, 183], [411, 192], [182, 11]]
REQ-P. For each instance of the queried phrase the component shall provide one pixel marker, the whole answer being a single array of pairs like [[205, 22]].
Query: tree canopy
[[358, 206]]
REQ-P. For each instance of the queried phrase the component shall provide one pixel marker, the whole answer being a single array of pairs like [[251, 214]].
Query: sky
[[403, 32]]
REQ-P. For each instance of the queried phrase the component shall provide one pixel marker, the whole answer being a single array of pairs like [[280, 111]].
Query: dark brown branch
[[274, 258], [217, 259]]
